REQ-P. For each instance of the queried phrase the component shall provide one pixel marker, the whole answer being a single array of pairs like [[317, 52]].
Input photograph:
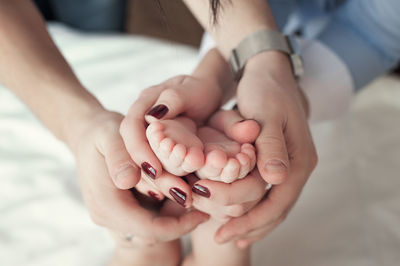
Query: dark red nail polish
[[200, 190], [158, 111], [154, 195], [149, 170], [178, 195]]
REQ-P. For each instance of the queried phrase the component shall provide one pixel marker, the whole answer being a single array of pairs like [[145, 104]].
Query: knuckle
[[225, 199], [280, 218], [274, 143], [177, 80], [146, 93], [237, 210], [253, 221], [223, 218], [173, 94], [123, 126]]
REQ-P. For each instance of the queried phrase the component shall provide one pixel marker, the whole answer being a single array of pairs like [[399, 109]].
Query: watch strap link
[[260, 41]]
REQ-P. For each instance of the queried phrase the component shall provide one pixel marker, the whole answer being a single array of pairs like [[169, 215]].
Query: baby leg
[[205, 251], [130, 251]]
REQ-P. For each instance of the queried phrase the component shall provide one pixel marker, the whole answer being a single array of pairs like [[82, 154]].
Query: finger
[[174, 187], [177, 98], [149, 190], [165, 228], [272, 155], [269, 213], [133, 132], [300, 146], [184, 95], [119, 210], [246, 242], [124, 173], [170, 228], [235, 126], [244, 190], [170, 104]]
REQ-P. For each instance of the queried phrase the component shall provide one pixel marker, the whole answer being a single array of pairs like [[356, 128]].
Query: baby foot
[[225, 159], [176, 145]]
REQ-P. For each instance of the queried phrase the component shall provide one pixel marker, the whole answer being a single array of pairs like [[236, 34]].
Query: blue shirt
[[365, 34]]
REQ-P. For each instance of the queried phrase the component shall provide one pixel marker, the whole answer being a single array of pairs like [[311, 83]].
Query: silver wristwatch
[[265, 40]]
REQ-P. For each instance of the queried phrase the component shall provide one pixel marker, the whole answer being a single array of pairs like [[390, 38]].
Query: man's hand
[[286, 154]]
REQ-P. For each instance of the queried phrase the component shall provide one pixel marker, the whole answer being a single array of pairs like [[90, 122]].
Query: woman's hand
[[196, 98], [286, 154], [106, 172], [224, 201]]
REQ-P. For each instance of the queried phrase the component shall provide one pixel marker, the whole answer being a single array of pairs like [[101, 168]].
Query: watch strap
[[260, 41]]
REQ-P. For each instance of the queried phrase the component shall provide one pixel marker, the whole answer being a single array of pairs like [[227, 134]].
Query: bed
[[348, 214]]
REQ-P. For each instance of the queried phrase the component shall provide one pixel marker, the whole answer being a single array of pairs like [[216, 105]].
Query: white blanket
[[348, 214]]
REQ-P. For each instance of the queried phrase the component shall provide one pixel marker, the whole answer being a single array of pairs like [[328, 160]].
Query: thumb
[[170, 104], [272, 155], [124, 173]]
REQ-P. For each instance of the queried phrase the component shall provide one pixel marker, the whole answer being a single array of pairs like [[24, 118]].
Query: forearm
[[33, 68], [236, 20], [213, 67]]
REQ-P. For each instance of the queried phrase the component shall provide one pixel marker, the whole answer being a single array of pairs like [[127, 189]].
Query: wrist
[[270, 62], [215, 70], [85, 112], [270, 73]]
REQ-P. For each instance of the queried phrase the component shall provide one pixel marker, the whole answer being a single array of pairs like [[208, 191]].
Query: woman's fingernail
[[178, 195], [158, 111], [276, 166], [154, 195], [149, 170], [200, 190]]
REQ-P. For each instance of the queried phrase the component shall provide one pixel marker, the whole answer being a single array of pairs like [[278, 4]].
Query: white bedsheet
[[348, 214]]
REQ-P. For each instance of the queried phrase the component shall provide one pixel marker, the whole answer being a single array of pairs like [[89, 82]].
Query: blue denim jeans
[[89, 15]]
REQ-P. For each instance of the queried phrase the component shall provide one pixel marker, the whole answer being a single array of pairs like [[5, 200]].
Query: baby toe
[[178, 154], [245, 164], [193, 160], [231, 171], [214, 162], [166, 146], [154, 127], [250, 151]]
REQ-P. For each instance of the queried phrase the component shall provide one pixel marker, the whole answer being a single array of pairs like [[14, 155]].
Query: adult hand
[[195, 98], [226, 200], [286, 154], [106, 172]]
